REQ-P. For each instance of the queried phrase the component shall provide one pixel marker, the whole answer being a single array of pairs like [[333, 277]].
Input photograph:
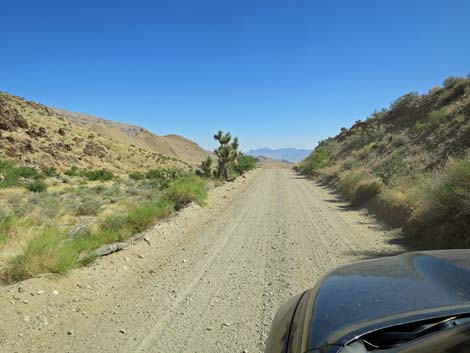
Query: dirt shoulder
[[210, 280]]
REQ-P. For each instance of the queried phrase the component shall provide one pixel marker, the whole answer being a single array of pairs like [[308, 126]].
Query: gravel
[[207, 280]]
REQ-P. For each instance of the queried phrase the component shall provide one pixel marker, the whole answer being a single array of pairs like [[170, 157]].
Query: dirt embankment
[[210, 280]]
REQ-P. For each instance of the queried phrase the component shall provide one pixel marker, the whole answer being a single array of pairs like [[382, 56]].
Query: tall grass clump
[[350, 181], [49, 251], [6, 226], [37, 186], [142, 217], [444, 205], [187, 190], [367, 190]]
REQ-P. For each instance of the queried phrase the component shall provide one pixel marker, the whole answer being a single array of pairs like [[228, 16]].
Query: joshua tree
[[226, 153]]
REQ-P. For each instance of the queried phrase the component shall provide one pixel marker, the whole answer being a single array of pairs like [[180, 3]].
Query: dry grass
[[35, 227]]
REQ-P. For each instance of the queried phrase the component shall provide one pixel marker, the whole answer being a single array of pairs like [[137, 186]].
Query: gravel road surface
[[210, 279]]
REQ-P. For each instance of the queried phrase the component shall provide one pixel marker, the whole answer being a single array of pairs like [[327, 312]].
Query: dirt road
[[210, 280]]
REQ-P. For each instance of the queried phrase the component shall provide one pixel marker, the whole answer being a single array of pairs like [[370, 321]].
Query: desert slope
[[34, 134], [174, 146]]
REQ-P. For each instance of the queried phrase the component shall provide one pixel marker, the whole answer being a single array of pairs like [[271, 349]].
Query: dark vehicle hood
[[369, 295]]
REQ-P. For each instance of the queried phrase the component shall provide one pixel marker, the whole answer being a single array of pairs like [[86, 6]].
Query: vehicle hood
[[365, 296]]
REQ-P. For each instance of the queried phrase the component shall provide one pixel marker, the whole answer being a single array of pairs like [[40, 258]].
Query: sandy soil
[[211, 279]]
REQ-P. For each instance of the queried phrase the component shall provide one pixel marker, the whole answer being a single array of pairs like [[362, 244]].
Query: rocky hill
[[34, 134], [412, 160]]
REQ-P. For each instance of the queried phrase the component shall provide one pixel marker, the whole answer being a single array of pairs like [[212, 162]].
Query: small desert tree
[[205, 168], [227, 153]]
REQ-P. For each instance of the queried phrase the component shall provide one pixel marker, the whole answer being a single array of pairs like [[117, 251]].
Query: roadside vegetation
[[52, 222], [413, 158]]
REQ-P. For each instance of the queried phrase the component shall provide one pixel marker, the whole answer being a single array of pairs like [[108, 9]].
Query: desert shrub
[[460, 118], [186, 190], [142, 217], [244, 164], [36, 186], [136, 176], [350, 163], [366, 190], [400, 140], [321, 157], [74, 171], [115, 222], [444, 204], [451, 81], [390, 168], [403, 192], [422, 125], [29, 173], [434, 90], [50, 172], [363, 153], [351, 181], [162, 177], [100, 189], [100, 174], [88, 207], [330, 174], [437, 115], [405, 100], [47, 252], [6, 225], [10, 175], [205, 168]]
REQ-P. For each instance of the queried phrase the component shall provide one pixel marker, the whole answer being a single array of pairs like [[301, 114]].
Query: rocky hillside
[[170, 145], [33, 134], [411, 159]]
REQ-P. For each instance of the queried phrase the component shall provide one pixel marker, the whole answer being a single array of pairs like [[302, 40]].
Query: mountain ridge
[[289, 154]]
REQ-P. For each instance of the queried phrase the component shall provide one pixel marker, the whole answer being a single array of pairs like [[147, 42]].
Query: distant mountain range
[[287, 154]]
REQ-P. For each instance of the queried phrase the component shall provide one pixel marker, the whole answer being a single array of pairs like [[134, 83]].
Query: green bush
[[245, 164], [205, 168], [142, 217], [321, 157], [405, 100], [36, 186], [437, 115], [10, 174], [185, 190], [29, 173], [101, 174], [390, 168], [50, 172], [422, 125], [136, 176]]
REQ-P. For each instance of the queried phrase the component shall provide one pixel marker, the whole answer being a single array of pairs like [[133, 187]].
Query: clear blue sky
[[276, 73]]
